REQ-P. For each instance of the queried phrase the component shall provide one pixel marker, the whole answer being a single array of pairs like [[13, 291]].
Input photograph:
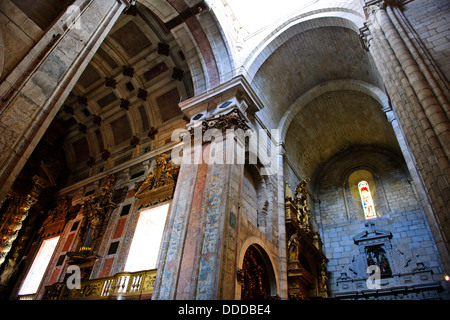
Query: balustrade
[[132, 285]]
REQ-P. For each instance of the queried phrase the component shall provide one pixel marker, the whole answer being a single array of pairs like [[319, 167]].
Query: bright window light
[[146, 242], [366, 200], [40, 264], [256, 14]]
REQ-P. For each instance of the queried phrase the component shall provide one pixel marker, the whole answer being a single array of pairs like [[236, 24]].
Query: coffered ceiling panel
[[132, 86], [131, 38]]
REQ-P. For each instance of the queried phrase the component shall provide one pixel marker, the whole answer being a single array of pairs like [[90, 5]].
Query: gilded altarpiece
[[307, 274], [159, 185]]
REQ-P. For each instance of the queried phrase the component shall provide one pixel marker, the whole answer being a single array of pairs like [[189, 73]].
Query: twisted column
[[16, 213]]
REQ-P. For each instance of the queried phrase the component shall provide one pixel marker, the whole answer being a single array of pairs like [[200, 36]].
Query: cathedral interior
[[339, 109]]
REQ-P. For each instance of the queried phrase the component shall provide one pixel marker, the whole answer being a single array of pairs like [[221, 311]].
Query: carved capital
[[232, 120]]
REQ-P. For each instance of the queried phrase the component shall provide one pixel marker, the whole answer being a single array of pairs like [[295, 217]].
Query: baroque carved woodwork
[[160, 184], [96, 212], [57, 217], [307, 274], [16, 213], [253, 277]]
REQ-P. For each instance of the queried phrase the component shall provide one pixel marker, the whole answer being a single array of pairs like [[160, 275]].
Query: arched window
[[366, 199]]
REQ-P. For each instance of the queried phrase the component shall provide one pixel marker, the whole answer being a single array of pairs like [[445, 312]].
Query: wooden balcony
[[122, 286]]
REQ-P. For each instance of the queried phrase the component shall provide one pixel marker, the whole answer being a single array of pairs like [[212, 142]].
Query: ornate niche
[[401, 274], [307, 274], [57, 218], [160, 184]]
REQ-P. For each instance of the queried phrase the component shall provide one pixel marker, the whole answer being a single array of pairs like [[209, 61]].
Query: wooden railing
[[124, 285]]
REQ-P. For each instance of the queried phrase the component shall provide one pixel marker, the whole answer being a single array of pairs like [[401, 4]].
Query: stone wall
[[20, 30], [431, 21], [398, 211]]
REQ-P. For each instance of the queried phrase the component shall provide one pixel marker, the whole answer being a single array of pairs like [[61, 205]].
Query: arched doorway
[[257, 277]]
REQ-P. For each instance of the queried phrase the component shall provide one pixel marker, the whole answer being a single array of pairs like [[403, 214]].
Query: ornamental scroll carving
[[232, 120], [160, 184], [297, 206], [16, 212], [57, 217]]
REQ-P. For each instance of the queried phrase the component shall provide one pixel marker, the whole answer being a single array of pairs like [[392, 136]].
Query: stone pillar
[[282, 224], [418, 184], [36, 94], [421, 108], [198, 257]]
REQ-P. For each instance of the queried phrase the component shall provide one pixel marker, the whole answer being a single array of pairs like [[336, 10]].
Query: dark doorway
[[256, 282]]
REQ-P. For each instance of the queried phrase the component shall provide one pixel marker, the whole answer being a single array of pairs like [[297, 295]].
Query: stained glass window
[[366, 199]]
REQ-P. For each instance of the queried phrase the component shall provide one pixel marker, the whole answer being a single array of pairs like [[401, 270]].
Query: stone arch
[[254, 243], [329, 86], [201, 48], [311, 20], [369, 163]]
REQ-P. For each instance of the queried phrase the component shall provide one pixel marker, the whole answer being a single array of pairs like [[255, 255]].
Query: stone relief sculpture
[[396, 270]]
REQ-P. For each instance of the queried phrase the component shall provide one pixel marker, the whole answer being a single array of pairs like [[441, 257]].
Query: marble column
[[198, 255]]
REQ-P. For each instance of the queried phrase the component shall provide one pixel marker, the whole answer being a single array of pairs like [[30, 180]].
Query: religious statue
[[323, 286], [301, 191], [294, 247], [96, 211], [377, 256], [301, 200], [8, 271], [323, 283]]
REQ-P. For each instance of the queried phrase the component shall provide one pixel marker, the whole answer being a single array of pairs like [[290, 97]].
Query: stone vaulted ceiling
[[333, 120], [129, 89]]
